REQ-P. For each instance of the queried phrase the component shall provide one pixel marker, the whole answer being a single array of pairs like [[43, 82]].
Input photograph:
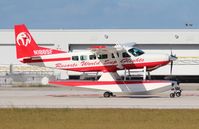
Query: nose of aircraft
[[154, 57], [166, 57], [169, 58]]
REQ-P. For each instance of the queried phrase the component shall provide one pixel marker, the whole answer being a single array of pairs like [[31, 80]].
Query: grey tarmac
[[59, 97]]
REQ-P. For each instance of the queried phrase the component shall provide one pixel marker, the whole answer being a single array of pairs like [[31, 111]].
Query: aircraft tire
[[178, 94], [172, 95], [107, 94]]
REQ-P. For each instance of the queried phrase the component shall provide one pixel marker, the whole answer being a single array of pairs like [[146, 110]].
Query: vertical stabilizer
[[26, 45]]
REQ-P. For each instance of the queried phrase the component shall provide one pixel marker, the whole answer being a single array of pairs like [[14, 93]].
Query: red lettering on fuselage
[[98, 63], [87, 63], [138, 60], [110, 62], [60, 65], [128, 60]]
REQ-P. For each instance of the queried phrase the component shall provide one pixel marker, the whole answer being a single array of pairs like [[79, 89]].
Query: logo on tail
[[24, 39]]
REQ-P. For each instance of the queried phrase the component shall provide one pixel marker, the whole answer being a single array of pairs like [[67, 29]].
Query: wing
[[125, 45]]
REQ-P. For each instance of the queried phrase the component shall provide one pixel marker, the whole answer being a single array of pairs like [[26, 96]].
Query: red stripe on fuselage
[[32, 60], [95, 68]]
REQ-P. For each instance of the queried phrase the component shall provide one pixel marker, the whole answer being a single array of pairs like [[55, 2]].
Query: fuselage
[[89, 61]]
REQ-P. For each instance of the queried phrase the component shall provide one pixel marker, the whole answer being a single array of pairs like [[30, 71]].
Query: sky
[[100, 14]]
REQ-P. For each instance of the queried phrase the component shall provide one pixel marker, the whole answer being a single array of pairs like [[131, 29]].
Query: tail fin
[[26, 45]]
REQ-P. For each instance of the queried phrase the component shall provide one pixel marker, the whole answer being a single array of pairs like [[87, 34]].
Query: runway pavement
[[57, 97]]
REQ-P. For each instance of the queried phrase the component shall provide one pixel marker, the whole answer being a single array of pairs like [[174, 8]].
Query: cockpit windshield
[[135, 51]]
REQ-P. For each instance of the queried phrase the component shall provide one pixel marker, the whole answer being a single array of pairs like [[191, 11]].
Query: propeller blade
[[172, 58], [171, 68]]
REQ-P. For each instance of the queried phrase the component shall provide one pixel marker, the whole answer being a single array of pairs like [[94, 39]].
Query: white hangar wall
[[184, 43]]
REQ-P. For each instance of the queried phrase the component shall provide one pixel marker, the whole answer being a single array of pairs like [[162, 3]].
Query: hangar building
[[183, 42]]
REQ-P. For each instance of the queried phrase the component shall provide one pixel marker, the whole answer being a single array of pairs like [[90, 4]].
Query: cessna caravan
[[107, 60]]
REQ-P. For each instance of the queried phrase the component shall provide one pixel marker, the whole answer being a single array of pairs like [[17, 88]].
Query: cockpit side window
[[135, 51], [125, 54]]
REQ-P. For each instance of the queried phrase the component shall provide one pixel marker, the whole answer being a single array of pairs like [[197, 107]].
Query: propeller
[[172, 58], [171, 67]]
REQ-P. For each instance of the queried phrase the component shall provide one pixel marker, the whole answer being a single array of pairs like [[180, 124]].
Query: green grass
[[98, 119]]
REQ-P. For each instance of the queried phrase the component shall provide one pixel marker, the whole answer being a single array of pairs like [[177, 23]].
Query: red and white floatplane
[[106, 60]]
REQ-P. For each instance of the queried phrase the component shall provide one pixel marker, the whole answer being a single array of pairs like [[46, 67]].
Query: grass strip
[[99, 119]]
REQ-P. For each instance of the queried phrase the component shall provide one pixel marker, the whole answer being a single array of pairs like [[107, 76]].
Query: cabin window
[[83, 57], [102, 56], [75, 58], [135, 51], [92, 57], [125, 54], [114, 56]]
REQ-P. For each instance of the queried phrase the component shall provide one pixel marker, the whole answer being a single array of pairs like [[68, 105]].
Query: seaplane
[[104, 59]]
